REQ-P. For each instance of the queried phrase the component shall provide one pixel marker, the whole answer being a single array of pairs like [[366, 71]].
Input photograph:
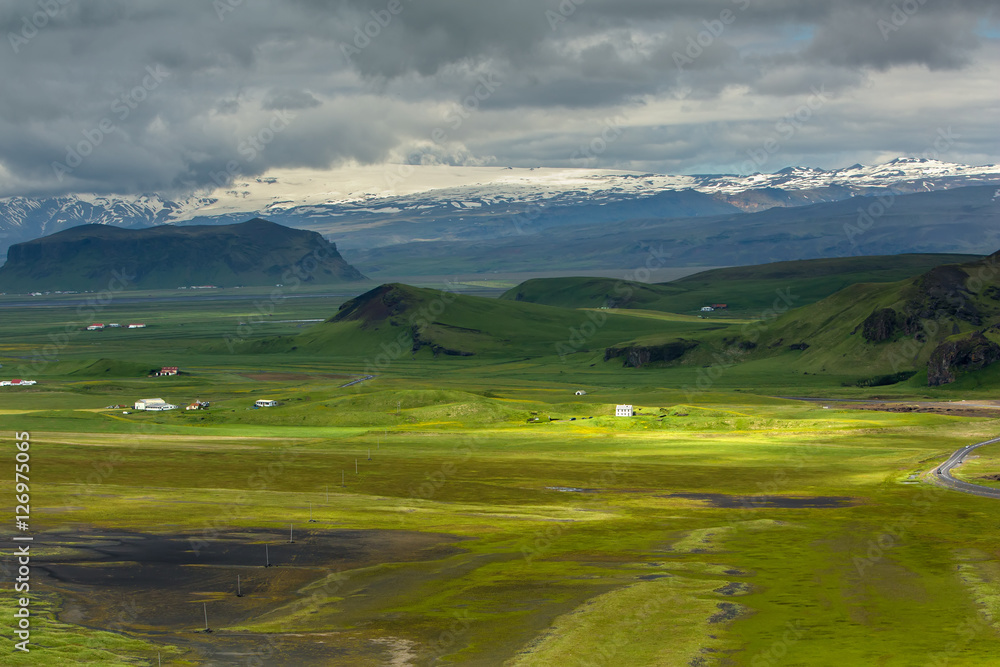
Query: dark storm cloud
[[142, 95]]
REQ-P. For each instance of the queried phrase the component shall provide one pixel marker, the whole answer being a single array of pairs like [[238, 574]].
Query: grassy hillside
[[936, 328], [102, 257], [396, 321], [745, 290]]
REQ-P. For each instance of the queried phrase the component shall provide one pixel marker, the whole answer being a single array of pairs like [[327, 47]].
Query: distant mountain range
[[101, 257], [384, 217]]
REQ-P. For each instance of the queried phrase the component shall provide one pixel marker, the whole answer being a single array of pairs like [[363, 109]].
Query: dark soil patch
[[991, 478], [147, 584], [934, 410], [733, 588], [766, 502], [727, 612]]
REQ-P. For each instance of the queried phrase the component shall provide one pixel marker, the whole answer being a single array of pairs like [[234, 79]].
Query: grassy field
[[436, 521]]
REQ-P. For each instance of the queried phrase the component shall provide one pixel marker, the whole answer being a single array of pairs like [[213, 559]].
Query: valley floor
[[752, 531], [476, 511]]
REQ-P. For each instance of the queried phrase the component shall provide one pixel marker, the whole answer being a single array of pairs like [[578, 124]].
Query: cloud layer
[[122, 96]]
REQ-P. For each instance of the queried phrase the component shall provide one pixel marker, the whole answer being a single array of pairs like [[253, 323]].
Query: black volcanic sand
[[154, 586], [766, 502]]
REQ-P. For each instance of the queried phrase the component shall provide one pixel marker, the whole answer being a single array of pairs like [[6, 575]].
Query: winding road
[[943, 477]]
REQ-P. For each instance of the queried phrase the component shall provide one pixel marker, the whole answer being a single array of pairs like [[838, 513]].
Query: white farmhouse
[[266, 403], [624, 411], [154, 405]]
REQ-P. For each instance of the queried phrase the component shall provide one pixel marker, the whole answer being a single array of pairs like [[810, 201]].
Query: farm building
[[581, 392], [137, 326], [154, 405], [720, 306], [707, 309], [95, 327], [624, 411], [17, 383], [198, 405], [168, 370], [266, 403]]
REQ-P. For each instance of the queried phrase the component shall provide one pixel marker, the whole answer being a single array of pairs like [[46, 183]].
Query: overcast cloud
[[125, 96]]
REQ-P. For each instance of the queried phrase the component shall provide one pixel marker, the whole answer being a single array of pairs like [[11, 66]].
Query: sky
[[143, 96]]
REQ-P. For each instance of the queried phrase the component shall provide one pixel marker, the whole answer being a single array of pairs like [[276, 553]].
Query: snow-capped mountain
[[369, 207]]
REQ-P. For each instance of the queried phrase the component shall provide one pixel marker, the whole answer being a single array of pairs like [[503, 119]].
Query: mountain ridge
[[373, 206]]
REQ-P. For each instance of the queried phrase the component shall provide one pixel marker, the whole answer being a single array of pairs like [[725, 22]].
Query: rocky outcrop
[[956, 356], [880, 326], [637, 356], [419, 341], [941, 292]]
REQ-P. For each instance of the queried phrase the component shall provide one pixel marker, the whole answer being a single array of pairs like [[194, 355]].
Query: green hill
[[399, 321], [746, 290], [103, 257], [935, 328]]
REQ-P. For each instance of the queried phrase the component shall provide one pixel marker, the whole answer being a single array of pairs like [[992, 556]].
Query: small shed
[[266, 403], [581, 392]]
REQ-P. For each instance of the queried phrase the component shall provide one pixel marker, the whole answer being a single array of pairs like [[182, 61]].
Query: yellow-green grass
[[886, 577], [52, 642], [541, 570]]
